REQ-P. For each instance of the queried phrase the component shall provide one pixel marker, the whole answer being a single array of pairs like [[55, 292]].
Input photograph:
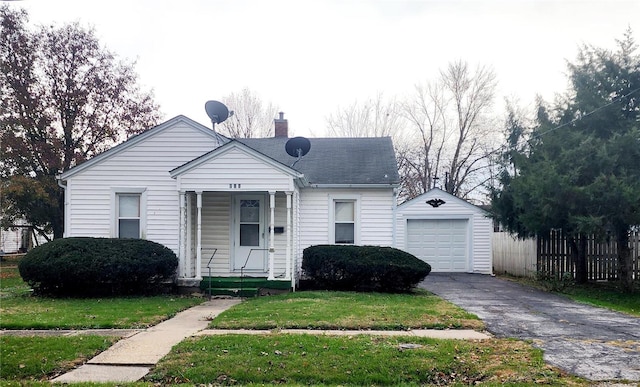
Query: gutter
[[60, 184]]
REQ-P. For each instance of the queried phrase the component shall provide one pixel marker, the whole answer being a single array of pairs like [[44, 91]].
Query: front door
[[249, 242]]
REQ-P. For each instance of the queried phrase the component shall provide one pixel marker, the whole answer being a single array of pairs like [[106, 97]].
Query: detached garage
[[447, 232]]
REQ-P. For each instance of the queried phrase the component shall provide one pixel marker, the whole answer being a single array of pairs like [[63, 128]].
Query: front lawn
[[44, 357], [358, 360], [347, 310], [277, 358], [19, 309]]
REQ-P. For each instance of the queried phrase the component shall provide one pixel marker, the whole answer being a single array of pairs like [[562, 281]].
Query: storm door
[[249, 230]]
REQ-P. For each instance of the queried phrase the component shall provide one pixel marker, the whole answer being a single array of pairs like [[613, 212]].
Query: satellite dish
[[217, 111], [297, 147]]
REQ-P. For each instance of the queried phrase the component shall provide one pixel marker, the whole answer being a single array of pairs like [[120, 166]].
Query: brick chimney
[[281, 126]]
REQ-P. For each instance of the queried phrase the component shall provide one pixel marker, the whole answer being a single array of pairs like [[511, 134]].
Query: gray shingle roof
[[365, 160]]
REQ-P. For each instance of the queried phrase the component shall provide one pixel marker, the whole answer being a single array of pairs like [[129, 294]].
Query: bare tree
[[376, 117], [442, 133], [251, 117], [452, 132], [419, 162]]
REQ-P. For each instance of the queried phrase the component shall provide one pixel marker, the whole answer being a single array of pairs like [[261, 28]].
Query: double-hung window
[[344, 221], [128, 212], [128, 215]]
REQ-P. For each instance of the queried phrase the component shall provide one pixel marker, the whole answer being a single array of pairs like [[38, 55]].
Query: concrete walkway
[[131, 358]]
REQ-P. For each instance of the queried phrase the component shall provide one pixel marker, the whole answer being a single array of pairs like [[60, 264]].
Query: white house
[[450, 234], [232, 207]]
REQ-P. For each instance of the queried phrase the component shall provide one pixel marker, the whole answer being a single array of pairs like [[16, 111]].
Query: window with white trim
[[344, 221], [128, 215]]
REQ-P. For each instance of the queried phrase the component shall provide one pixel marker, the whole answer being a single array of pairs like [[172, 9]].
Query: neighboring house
[[451, 234], [20, 238], [235, 207]]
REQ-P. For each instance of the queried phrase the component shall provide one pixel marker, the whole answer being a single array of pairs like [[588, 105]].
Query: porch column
[[183, 234], [188, 257], [288, 258], [199, 235], [272, 206]]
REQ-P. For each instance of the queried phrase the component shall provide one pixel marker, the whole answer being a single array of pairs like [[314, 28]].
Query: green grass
[[92, 313], [601, 294], [346, 310], [606, 296], [19, 309], [277, 358], [11, 284], [44, 357], [356, 360]]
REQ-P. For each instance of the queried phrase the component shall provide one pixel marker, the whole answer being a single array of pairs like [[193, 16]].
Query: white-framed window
[[128, 215], [344, 219], [128, 208]]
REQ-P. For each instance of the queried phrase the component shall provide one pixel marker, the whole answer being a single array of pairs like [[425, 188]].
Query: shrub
[[98, 266], [365, 268]]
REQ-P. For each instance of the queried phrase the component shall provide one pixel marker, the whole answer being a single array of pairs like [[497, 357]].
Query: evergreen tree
[[580, 168]]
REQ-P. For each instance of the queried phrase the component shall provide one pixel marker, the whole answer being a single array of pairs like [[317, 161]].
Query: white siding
[[216, 232], [480, 227], [280, 240], [145, 165], [376, 215], [235, 169], [314, 218]]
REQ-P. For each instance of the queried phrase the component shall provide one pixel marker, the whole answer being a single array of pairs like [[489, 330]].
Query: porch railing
[[215, 250], [246, 262]]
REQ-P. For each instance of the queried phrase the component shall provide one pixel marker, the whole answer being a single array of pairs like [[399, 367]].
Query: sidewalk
[[131, 358]]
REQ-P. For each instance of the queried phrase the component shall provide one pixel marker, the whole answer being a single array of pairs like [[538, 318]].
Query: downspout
[[66, 205], [395, 215]]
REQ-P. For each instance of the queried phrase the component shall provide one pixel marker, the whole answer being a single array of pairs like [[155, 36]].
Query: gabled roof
[[139, 138], [337, 161], [437, 193], [233, 144]]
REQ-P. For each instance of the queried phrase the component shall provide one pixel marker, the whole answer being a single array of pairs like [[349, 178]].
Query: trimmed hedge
[[362, 268], [98, 266]]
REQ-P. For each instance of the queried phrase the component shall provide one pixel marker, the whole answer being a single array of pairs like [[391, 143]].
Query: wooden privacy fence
[[513, 256], [552, 256]]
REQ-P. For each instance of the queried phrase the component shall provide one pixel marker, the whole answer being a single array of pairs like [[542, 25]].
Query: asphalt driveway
[[590, 342]]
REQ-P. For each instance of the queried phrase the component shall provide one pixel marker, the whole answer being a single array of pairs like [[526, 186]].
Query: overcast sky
[[311, 57]]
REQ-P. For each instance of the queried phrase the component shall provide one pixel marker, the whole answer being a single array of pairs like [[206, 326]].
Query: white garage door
[[442, 243]]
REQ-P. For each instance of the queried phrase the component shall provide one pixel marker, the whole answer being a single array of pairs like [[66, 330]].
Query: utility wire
[[538, 135]]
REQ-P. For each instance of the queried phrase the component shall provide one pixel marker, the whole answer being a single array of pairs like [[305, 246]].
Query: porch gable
[[235, 167]]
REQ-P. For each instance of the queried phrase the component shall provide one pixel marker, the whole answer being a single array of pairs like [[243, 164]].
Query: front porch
[[238, 211], [237, 235]]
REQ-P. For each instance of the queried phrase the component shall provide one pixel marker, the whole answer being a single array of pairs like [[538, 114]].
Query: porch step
[[233, 292], [240, 287]]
